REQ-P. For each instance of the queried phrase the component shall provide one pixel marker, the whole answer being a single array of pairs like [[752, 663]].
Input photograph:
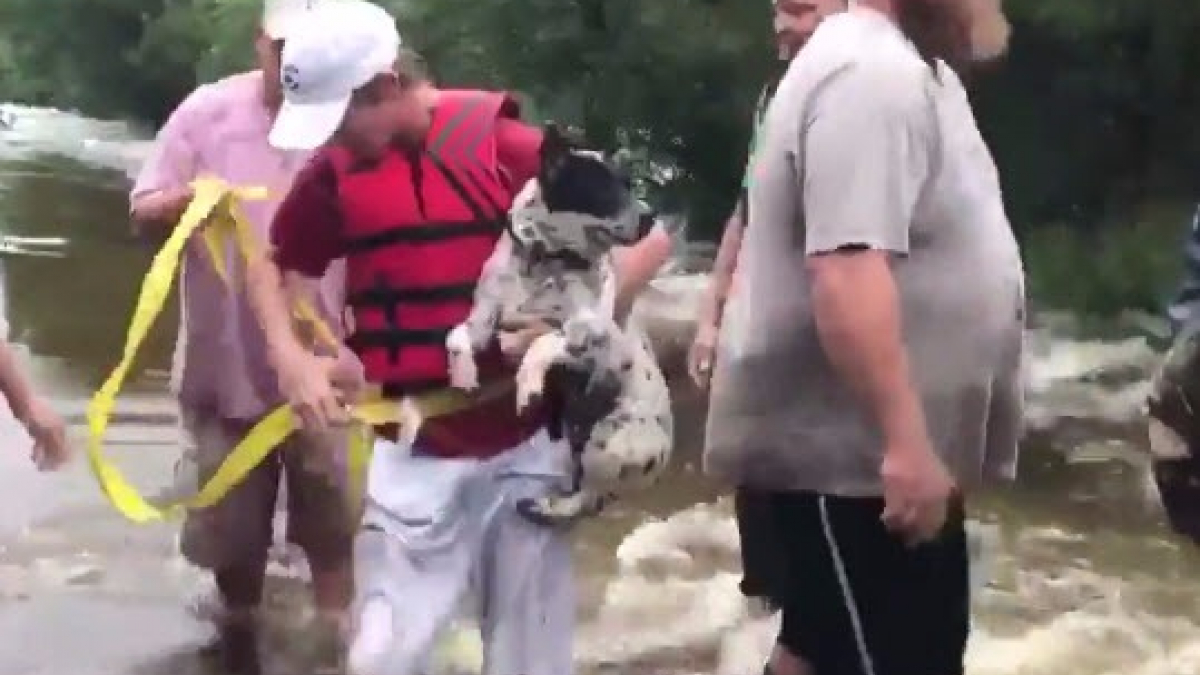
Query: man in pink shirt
[[221, 375]]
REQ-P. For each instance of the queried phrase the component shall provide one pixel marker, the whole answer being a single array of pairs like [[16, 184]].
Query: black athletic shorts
[[855, 599]]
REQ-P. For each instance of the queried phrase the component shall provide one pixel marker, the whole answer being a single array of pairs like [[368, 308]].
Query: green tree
[[1091, 117]]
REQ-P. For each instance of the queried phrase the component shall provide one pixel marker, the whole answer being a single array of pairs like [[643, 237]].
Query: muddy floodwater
[[1083, 578]]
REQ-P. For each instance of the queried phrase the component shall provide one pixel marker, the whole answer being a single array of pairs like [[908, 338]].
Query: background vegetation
[[1092, 117]]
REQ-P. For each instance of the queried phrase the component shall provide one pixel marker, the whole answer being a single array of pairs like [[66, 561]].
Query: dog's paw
[[461, 357], [555, 511], [463, 374], [562, 510], [536, 512], [530, 385], [409, 420]]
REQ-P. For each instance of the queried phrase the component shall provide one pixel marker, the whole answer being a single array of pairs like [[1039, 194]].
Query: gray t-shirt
[[864, 144]]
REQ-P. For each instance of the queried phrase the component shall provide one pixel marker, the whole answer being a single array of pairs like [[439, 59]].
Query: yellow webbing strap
[[215, 213]]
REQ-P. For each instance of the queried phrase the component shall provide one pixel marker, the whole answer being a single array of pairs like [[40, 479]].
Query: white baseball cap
[[280, 17], [340, 46]]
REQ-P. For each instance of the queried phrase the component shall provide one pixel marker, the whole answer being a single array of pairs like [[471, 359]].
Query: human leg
[[231, 538], [320, 524], [766, 565], [763, 550], [321, 518], [402, 604], [863, 602], [526, 579], [413, 560]]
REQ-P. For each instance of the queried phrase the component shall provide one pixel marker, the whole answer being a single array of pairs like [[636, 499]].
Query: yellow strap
[[218, 204]]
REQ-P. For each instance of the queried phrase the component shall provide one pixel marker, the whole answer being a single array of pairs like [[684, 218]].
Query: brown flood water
[[1084, 580]]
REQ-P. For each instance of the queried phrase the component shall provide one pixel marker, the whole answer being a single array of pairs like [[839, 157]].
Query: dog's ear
[[554, 151]]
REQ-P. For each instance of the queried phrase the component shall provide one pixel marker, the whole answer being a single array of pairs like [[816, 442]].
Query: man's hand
[[348, 375], [516, 336], [307, 382], [712, 305], [700, 356], [160, 210], [50, 450], [916, 491]]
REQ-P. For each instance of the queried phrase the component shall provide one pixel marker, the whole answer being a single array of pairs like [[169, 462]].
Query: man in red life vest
[[412, 188]]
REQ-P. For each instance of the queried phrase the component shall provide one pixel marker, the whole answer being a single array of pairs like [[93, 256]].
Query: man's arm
[[41, 422], [17, 390], [163, 186], [864, 153], [306, 236], [636, 267], [712, 305]]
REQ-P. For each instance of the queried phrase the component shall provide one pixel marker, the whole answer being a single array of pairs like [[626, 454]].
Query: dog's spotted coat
[[555, 266]]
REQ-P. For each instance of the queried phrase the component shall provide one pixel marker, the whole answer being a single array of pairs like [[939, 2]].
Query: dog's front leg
[[465, 340], [473, 334], [531, 374]]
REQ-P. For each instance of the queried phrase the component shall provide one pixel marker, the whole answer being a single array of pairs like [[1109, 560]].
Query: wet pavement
[[1084, 580]]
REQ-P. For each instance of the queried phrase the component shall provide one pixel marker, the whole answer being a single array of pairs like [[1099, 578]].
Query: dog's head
[[581, 202]]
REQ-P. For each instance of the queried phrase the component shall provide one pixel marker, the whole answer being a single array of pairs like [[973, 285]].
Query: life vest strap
[[423, 233], [397, 389], [395, 337], [382, 295]]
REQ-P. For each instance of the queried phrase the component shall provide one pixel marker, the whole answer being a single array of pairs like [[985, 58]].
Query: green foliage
[[1091, 116], [1104, 271]]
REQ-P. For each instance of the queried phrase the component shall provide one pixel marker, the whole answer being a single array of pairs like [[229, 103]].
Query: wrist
[[284, 352], [710, 311], [903, 425], [21, 408]]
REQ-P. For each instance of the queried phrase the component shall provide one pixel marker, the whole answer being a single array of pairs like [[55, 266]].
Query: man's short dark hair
[[412, 67]]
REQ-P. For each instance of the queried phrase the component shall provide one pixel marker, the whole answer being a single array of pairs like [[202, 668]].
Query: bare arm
[[306, 238], [15, 386], [636, 266], [857, 312], [864, 158], [713, 303], [50, 448]]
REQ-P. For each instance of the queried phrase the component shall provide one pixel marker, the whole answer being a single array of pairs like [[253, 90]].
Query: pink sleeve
[[173, 160]]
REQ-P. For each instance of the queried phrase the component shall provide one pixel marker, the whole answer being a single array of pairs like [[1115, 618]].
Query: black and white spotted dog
[[600, 380]]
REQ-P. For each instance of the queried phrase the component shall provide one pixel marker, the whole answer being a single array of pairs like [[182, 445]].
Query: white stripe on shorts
[[839, 568]]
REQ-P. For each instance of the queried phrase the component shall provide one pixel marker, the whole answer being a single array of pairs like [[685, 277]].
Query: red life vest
[[418, 228]]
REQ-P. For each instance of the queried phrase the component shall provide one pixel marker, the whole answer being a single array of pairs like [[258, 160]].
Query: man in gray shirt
[[762, 540], [885, 384]]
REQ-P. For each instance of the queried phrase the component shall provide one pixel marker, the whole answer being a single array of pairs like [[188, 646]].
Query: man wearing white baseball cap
[[351, 44], [222, 378], [412, 188]]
